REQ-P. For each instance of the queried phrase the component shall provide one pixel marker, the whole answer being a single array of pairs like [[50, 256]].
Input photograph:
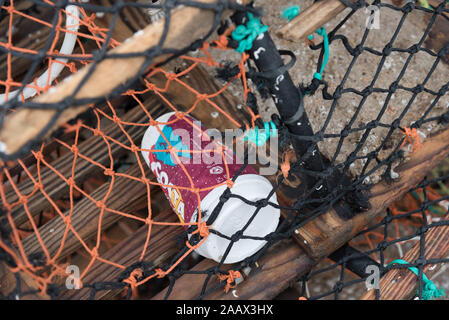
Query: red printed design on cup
[[178, 173]]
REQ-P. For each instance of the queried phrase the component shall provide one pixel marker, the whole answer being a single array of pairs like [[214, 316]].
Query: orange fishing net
[[46, 195]]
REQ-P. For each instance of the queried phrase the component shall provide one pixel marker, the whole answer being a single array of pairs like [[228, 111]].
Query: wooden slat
[[121, 30], [280, 266], [200, 79], [277, 270], [21, 65], [127, 195], [399, 284], [136, 17], [438, 36], [326, 233], [94, 148], [189, 286], [50, 147], [311, 19], [161, 247], [19, 6], [8, 284], [7, 279]]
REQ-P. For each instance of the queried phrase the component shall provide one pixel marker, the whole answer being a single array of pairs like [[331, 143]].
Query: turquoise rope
[[260, 138], [245, 35], [290, 13], [430, 290], [322, 32]]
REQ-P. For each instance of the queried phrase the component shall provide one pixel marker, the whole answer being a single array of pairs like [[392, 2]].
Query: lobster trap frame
[[314, 239]]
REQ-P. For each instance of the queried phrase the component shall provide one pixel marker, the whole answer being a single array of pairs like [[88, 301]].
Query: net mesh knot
[[230, 279]]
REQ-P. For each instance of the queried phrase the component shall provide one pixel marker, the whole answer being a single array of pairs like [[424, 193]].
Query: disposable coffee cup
[[189, 138]]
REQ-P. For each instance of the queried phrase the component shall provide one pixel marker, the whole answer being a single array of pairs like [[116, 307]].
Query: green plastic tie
[[246, 34], [430, 290], [290, 13], [322, 32], [259, 138]]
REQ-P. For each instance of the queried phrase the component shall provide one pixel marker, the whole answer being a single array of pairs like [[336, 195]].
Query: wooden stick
[[188, 286], [281, 265], [277, 269], [49, 148], [161, 247], [399, 284], [19, 6], [311, 19], [35, 42], [326, 233], [186, 24], [135, 17], [85, 216]]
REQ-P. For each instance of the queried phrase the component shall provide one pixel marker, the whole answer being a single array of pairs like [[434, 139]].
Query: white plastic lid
[[233, 217]]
